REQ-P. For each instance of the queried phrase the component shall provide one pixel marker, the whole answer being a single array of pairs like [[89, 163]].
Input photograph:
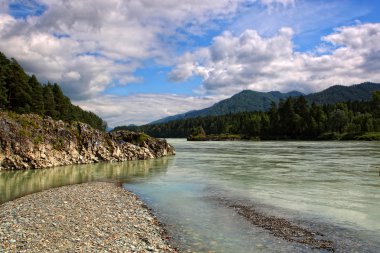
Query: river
[[330, 188]]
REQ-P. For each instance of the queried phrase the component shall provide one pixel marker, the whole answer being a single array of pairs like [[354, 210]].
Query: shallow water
[[327, 187], [14, 184]]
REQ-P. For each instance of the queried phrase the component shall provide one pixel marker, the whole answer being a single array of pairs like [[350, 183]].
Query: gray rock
[[31, 142]]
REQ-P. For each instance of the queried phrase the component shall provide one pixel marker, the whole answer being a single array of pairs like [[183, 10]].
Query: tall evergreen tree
[[18, 88], [61, 102], [23, 94], [376, 104], [3, 89], [37, 96], [3, 93], [4, 62], [49, 103]]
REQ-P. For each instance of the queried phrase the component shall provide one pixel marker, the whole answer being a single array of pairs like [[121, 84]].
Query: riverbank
[[88, 217], [365, 136]]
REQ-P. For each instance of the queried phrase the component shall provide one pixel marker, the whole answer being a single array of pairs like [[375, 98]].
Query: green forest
[[293, 118], [22, 93]]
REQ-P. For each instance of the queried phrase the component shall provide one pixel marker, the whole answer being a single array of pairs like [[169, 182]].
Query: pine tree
[[49, 103], [376, 104], [37, 96], [24, 94], [18, 88], [3, 93], [61, 102], [4, 63]]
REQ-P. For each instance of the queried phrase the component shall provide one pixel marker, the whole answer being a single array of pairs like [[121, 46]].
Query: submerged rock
[[32, 142]]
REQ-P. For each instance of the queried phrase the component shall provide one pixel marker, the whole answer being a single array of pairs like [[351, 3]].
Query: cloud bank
[[143, 108], [90, 46], [249, 61], [87, 45]]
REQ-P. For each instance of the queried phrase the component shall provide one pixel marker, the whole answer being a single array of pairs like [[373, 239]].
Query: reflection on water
[[14, 184]]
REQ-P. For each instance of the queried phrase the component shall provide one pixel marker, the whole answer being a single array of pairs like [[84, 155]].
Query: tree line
[[22, 93], [293, 118]]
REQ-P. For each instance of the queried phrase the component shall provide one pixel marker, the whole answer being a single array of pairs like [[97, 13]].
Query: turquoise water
[[328, 187]]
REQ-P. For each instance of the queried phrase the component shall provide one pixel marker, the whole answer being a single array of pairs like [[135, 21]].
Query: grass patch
[[25, 133], [214, 137], [38, 139], [371, 136], [58, 144], [140, 139]]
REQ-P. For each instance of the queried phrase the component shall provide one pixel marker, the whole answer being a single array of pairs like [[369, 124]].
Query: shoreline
[[88, 217]]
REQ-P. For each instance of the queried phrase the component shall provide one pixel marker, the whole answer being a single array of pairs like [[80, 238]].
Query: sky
[[136, 61]]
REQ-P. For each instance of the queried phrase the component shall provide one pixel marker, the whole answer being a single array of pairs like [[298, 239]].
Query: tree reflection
[[14, 184]]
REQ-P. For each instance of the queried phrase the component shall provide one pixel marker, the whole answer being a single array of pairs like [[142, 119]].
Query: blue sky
[[138, 61]]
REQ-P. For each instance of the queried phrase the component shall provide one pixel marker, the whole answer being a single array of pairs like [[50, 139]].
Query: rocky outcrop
[[31, 142]]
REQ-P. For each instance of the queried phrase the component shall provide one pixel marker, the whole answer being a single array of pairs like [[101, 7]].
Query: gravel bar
[[90, 217]]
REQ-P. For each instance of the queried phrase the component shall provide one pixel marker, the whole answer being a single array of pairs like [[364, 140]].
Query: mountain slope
[[244, 101], [339, 93], [247, 100]]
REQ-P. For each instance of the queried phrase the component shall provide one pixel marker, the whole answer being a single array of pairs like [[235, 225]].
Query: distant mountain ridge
[[340, 93], [249, 100]]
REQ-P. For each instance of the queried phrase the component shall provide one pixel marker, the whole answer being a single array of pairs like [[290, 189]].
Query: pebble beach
[[90, 217]]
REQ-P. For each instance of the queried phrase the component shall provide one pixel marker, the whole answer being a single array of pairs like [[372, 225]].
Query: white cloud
[[101, 40], [143, 108], [281, 2], [71, 76], [250, 61], [90, 45]]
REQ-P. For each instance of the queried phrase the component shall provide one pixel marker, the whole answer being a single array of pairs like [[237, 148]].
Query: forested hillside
[[22, 93], [339, 93], [244, 101], [293, 118], [251, 101]]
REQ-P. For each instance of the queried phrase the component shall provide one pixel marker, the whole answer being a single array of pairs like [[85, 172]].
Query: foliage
[[250, 101], [369, 136], [293, 118], [21, 93], [137, 138], [338, 93]]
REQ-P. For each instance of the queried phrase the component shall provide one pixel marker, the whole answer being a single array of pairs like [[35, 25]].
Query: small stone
[[91, 221]]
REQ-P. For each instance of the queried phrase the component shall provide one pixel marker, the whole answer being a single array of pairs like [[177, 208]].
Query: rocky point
[[31, 142]]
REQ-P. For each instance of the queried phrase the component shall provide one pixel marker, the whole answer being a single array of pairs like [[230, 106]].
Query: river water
[[331, 188]]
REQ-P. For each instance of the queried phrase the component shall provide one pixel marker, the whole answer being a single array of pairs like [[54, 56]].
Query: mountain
[[244, 101], [339, 93], [248, 100]]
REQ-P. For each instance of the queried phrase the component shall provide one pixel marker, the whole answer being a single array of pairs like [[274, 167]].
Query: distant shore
[[88, 217], [367, 136]]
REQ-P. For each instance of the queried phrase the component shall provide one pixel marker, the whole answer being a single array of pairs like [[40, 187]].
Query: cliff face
[[32, 142]]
